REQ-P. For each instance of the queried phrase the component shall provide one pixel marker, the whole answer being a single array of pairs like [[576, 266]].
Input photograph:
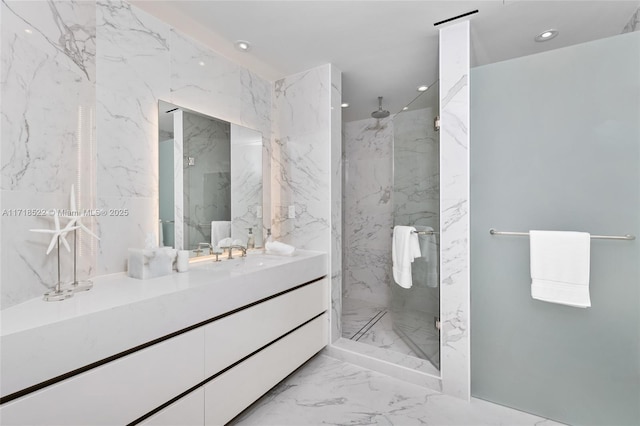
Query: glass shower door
[[416, 202]]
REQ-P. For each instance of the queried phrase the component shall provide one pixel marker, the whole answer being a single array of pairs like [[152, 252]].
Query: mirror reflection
[[210, 182]]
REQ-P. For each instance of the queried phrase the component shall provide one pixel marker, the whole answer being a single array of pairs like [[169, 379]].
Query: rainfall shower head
[[380, 113]]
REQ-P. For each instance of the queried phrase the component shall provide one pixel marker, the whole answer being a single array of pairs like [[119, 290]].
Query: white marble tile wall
[[454, 209], [246, 181], [116, 61], [48, 126], [304, 160], [368, 210]]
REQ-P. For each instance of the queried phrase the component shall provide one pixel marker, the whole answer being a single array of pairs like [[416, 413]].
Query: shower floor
[[367, 323], [373, 325]]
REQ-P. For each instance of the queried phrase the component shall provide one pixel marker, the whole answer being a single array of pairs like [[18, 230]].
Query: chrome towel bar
[[627, 237], [425, 232]]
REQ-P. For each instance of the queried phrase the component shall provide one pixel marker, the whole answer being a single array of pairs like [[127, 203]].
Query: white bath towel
[[224, 243], [425, 268], [404, 249], [560, 267], [276, 247], [220, 229]]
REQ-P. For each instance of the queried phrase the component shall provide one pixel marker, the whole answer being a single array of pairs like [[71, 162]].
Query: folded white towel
[[225, 242], [276, 247], [425, 268], [220, 229], [238, 242], [560, 267], [404, 249]]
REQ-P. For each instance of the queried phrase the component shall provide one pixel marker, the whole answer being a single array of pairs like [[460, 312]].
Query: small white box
[[149, 263]]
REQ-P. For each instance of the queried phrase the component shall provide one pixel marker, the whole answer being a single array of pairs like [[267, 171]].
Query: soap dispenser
[[269, 237], [251, 240]]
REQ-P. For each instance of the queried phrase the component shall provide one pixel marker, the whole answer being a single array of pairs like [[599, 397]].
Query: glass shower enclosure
[[415, 311], [391, 177]]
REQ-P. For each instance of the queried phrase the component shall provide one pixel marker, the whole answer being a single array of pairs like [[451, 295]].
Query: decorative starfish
[[57, 232], [76, 219]]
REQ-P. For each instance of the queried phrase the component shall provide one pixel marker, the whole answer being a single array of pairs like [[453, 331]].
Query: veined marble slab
[[332, 392]]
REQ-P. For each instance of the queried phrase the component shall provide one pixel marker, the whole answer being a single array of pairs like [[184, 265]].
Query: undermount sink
[[249, 262]]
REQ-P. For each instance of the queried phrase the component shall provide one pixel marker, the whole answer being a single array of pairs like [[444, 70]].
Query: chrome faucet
[[199, 250], [242, 248]]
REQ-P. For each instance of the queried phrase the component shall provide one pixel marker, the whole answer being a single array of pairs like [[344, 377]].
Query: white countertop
[[41, 340]]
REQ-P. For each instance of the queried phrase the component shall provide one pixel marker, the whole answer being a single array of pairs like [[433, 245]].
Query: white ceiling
[[383, 48]]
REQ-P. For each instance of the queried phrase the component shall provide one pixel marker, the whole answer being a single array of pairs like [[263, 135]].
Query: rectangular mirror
[[210, 181]]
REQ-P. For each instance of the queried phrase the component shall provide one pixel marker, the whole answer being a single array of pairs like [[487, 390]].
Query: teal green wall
[[555, 145]]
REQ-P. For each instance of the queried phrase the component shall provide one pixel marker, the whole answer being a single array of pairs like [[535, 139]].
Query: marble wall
[[48, 73], [368, 210], [246, 181], [306, 171], [454, 210], [80, 93]]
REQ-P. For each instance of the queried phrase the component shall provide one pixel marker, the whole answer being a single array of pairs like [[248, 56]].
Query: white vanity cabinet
[[117, 392], [234, 390], [187, 411], [205, 373], [250, 351]]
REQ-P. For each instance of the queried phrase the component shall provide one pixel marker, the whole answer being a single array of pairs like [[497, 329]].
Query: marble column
[[306, 168], [454, 209]]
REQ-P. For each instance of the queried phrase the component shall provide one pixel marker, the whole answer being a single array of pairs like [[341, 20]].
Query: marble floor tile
[[375, 325], [326, 391]]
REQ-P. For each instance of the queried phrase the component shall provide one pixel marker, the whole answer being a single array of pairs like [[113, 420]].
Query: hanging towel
[[404, 249], [220, 229], [425, 268], [560, 267]]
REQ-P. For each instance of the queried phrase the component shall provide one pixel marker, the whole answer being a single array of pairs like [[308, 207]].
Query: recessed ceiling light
[[405, 108], [344, 105], [243, 45], [201, 63], [28, 30], [422, 88], [546, 35]]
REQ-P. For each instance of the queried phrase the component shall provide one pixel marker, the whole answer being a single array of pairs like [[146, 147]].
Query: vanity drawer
[[230, 393], [231, 338], [117, 392], [187, 411]]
